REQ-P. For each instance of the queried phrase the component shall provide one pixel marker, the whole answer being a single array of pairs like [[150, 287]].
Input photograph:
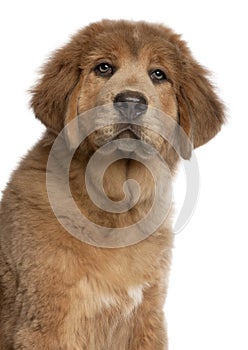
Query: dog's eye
[[104, 69], [158, 75]]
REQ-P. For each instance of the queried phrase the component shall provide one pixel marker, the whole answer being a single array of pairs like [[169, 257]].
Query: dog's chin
[[133, 143]]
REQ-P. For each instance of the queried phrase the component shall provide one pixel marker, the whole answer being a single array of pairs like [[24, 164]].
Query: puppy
[[99, 283]]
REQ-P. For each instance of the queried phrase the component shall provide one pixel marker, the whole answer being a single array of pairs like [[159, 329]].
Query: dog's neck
[[126, 183], [138, 194], [113, 188]]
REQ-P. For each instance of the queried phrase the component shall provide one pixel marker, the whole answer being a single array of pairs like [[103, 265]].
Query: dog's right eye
[[104, 69]]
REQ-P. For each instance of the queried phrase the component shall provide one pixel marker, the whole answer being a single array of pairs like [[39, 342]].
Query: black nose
[[130, 104]]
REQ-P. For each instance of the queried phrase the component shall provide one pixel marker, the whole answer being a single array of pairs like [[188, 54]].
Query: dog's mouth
[[127, 133], [128, 139], [115, 132]]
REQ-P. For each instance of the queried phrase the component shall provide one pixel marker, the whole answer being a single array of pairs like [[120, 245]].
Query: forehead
[[125, 40]]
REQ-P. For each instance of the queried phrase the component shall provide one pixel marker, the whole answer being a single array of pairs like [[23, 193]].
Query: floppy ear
[[59, 77], [201, 113], [72, 129]]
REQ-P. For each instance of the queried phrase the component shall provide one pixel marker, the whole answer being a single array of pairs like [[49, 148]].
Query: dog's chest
[[93, 298], [96, 311]]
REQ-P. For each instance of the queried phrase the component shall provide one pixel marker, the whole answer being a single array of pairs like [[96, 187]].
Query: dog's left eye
[[158, 75], [104, 69]]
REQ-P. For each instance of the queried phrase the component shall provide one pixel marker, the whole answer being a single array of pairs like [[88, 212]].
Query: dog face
[[136, 68], [132, 78]]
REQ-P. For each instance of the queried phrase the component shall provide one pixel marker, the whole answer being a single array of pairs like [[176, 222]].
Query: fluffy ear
[[59, 77], [72, 129], [201, 113]]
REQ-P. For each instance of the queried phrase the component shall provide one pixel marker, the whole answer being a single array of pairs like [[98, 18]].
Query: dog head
[[137, 68]]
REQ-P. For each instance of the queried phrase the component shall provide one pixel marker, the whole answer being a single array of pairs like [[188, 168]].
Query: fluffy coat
[[56, 292]]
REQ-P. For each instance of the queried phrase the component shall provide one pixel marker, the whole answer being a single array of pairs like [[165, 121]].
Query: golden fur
[[56, 292]]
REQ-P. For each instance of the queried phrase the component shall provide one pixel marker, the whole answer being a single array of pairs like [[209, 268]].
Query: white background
[[207, 304]]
